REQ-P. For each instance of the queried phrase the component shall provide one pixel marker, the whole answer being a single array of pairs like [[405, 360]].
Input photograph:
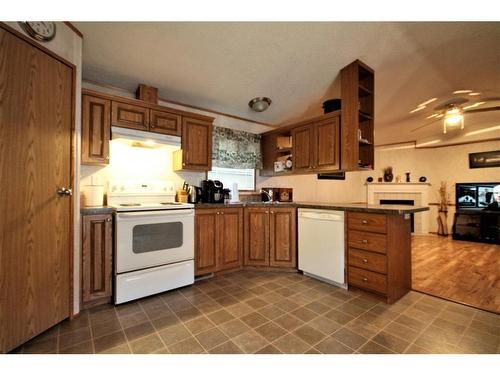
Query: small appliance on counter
[[93, 195], [194, 194], [278, 194], [212, 191]]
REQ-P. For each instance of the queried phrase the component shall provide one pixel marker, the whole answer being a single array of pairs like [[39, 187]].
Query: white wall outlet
[[96, 180]]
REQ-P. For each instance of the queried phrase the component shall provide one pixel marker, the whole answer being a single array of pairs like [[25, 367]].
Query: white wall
[[450, 164], [68, 45]]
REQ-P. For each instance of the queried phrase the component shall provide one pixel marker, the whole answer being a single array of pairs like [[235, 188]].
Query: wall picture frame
[[488, 159]]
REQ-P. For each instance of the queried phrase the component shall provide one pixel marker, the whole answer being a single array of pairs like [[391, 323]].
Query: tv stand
[[477, 225]]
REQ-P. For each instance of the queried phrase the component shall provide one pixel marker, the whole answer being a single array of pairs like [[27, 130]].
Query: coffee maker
[[212, 191]]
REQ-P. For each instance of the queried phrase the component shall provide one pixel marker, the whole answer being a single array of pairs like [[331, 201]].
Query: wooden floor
[[465, 272]]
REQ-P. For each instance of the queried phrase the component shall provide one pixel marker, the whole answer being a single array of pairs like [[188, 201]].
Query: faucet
[[268, 194]]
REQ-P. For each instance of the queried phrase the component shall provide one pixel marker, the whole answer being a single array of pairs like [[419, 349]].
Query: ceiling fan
[[452, 111]]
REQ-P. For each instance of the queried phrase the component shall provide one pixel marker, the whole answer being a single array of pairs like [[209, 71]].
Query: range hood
[[142, 136]]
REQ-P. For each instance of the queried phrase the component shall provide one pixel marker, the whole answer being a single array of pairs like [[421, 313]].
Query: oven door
[[153, 238]]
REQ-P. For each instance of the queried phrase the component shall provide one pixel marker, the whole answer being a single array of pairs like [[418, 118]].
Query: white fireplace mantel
[[418, 192]]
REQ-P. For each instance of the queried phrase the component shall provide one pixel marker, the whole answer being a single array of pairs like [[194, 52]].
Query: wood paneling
[[367, 222], [206, 241], [460, 271], [129, 116], [96, 131], [165, 123], [36, 121], [196, 150], [230, 231], [283, 237], [302, 152], [97, 259], [257, 236], [326, 138]]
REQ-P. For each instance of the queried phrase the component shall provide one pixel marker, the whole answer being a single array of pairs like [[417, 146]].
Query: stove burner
[[130, 204], [171, 203]]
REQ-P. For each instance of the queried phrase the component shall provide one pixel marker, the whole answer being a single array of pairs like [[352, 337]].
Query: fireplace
[[402, 202]]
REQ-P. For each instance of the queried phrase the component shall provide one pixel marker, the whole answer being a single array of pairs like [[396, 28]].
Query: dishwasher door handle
[[320, 216]]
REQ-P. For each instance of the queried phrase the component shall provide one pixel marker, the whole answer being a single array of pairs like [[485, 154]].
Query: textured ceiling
[[222, 66]]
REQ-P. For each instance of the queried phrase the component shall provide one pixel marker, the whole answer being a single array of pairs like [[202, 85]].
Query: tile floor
[[263, 312]]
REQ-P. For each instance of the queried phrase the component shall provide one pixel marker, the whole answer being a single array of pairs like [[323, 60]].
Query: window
[[245, 178]]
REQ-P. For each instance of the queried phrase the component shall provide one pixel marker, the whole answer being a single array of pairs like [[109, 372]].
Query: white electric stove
[[154, 239]]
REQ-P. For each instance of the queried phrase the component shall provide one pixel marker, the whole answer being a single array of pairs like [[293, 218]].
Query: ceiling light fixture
[[259, 104], [453, 117], [462, 91]]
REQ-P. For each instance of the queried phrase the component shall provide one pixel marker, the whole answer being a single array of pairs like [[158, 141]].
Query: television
[[477, 195]]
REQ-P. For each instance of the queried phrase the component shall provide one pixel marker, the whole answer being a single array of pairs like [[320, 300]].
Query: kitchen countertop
[[353, 207], [101, 210]]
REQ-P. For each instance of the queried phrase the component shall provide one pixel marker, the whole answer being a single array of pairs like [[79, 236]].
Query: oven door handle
[[149, 214]]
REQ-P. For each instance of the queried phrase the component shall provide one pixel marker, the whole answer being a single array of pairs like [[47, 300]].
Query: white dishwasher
[[321, 244]]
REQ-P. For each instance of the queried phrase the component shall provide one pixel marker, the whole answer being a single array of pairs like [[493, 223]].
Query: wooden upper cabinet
[[97, 259], [230, 231], [96, 131], [206, 241], [165, 123], [303, 153], [196, 152], [327, 146], [256, 236], [129, 116], [283, 237]]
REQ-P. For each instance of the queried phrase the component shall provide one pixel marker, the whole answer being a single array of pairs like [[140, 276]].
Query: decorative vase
[[388, 176]]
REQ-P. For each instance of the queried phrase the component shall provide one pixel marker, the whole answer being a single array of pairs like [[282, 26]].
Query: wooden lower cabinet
[[218, 239], [379, 253], [270, 237], [97, 259]]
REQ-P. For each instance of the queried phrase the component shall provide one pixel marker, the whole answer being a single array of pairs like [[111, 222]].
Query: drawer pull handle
[[365, 279], [364, 241], [364, 221], [365, 260]]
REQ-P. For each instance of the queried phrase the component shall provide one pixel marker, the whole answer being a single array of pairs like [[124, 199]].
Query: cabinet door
[[165, 123], [283, 241], [326, 145], [196, 144], [129, 116], [206, 241], [97, 264], [96, 118], [230, 231], [257, 236], [302, 151]]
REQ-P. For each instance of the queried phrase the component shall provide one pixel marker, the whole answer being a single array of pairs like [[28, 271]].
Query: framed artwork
[[486, 159], [332, 176]]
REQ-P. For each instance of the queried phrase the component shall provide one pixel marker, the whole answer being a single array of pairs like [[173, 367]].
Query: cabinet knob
[[267, 212], [222, 213], [364, 241], [364, 221], [152, 126], [365, 279], [365, 260], [183, 164], [108, 219], [272, 212], [218, 213]]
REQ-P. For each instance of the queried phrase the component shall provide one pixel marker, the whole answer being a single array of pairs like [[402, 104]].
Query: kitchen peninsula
[[377, 241]]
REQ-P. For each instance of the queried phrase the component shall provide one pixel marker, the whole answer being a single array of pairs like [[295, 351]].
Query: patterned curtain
[[235, 149]]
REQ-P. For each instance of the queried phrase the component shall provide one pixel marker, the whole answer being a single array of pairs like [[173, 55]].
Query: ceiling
[[221, 66]]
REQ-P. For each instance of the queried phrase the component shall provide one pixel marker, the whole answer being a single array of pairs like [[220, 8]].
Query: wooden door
[[196, 144], [302, 152], [36, 122], [97, 262], [205, 241], [326, 145], [257, 236], [129, 116], [96, 120], [230, 231], [283, 237], [165, 123]]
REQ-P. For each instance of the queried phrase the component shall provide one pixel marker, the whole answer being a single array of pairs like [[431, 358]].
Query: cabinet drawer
[[367, 279], [129, 116], [367, 260], [367, 241], [165, 123], [367, 222]]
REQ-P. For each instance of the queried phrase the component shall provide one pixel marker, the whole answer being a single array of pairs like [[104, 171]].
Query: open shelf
[[363, 91]]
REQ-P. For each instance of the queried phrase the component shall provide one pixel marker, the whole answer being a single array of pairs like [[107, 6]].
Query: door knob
[[62, 191]]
